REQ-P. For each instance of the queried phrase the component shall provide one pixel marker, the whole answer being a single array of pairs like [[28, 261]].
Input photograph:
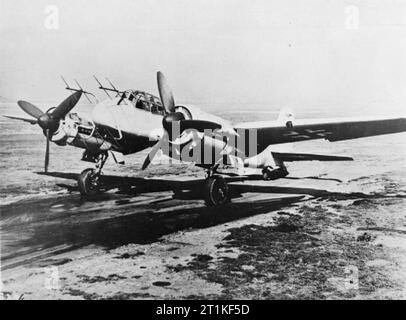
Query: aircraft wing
[[275, 132]]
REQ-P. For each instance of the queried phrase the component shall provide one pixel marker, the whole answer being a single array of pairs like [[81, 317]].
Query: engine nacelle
[[194, 146], [185, 111], [62, 134], [76, 131]]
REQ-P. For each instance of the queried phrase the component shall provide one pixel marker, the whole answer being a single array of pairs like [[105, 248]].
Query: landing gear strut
[[89, 179], [216, 190]]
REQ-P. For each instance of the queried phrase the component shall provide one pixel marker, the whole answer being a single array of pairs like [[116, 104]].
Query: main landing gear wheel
[[89, 179], [88, 182], [216, 191]]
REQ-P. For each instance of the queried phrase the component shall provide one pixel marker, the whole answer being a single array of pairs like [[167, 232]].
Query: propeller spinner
[[49, 121]]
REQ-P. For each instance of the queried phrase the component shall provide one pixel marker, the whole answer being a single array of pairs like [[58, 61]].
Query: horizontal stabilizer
[[307, 157]]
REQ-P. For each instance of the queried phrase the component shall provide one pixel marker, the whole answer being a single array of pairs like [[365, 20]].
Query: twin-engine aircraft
[[136, 120]]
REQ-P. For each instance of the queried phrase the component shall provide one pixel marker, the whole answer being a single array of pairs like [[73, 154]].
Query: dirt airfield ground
[[320, 245]]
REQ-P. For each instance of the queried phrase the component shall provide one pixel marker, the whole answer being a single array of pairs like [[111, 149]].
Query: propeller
[[165, 93], [48, 121], [154, 151], [32, 121], [30, 109], [48, 135], [172, 119]]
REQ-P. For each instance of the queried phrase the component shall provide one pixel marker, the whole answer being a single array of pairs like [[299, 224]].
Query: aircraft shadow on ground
[[136, 185], [146, 222], [146, 226]]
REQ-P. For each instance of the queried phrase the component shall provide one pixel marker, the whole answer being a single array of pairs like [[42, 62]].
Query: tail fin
[[286, 116]]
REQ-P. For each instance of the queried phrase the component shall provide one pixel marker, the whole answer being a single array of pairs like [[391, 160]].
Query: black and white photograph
[[206, 150]]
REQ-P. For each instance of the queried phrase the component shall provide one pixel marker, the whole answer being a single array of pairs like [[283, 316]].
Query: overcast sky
[[256, 54]]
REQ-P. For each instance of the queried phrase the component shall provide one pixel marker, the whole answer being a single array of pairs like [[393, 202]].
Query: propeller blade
[[66, 105], [30, 109], [48, 136], [32, 121], [153, 152], [165, 93]]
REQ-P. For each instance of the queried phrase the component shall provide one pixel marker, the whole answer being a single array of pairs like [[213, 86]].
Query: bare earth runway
[[152, 246], [293, 238]]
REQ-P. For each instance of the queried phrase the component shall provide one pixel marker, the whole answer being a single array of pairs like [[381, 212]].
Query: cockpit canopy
[[143, 100]]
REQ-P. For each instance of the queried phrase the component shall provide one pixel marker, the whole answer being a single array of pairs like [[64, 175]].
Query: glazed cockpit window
[[145, 101]]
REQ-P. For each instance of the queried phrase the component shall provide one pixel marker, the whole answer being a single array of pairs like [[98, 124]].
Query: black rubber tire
[[87, 184], [216, 191]]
